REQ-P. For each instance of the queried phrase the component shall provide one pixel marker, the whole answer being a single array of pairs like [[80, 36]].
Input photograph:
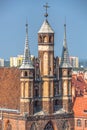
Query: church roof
[[46, 28], [27, 64], [65, 62], [10, 88]]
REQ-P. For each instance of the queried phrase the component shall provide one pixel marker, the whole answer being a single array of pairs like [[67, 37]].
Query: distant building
[[1, 62], [19, 60], [13, 61], [6, 63], [83, 63], [74, 61], [16, 61]]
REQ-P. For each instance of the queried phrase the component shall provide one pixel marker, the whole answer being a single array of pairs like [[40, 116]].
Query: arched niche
[[65, 125], [33, 127], [49, 126], [8, 125]]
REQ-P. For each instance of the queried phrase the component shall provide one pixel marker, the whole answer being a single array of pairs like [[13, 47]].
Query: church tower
[[26, 80], [46, 59], [65, 76]]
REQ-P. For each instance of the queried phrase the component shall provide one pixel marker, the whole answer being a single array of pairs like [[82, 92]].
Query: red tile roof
[[80, 106], [79, 83], [9, 88]]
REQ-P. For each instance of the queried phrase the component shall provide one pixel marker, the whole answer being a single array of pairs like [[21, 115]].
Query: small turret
[[65, 76], [27, 64], [65, 62], [26, 80]]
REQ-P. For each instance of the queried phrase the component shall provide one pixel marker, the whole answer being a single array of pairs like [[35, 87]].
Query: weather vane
[[46, 6]]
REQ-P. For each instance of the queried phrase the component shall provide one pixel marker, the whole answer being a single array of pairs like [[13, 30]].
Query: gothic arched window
[[8, 126], [45, 39], [49, 126], [40, 38], [66, 125], [33, 127]]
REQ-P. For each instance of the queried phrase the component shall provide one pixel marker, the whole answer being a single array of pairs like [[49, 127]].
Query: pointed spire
[[65, 62], [46, 28], [27, 57]]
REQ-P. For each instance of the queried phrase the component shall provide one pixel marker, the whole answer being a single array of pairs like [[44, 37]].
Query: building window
[[85, 123], [56, 90], [37, 106], [50, 39], [66, 125], [40, 38], [25, 73], [36, 92], [78, 122], [8, 126], [33, 127], [45, 39], [49, 126], [56, 105]]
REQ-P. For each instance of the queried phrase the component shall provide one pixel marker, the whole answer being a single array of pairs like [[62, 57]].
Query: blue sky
[[13, 15]]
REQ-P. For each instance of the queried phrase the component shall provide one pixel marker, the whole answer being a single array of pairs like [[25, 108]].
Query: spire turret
[[65, 62], [27, 58], [46, 28]]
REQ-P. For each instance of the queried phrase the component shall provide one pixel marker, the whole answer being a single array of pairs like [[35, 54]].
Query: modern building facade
[[1, 62], [74, 61], [16, 61]]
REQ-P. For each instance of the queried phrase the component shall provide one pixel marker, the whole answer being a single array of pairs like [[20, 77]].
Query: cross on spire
[[46, 7]]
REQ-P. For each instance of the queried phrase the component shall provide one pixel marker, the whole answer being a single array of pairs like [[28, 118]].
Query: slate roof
[[65, 62], [27, 64]]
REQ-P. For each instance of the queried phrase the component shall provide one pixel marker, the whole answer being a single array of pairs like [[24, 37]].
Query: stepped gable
[[79, 83], [9, 88]]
